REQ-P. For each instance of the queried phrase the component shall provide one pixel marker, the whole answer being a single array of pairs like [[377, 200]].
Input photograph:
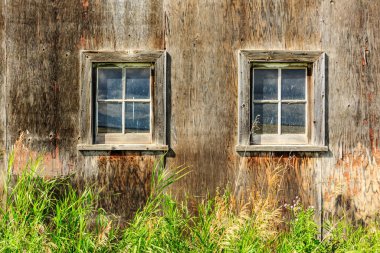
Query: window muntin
[[123, 103], [279, 108]]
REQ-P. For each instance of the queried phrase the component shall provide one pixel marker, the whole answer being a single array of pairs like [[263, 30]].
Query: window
[[279, 104], [281, 101], [123, 101]]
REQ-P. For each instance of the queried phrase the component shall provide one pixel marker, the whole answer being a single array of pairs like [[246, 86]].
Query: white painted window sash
[[279, 99], [280, 137], [123, 79], [123, 100]]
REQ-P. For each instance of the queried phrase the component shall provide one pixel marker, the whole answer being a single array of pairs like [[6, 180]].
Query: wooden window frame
[[314, 139], [156, 139]]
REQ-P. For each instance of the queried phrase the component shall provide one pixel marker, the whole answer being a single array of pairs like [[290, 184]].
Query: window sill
[[131, 147], [281, 148]]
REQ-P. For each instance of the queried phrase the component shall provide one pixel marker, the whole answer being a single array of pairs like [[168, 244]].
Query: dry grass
[[34, 219]]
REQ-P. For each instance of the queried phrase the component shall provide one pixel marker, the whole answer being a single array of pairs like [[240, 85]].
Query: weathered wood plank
[[281, 148], [204, 46], [3, 103], [159, 100], [244, 94], [350, 176], [135, 27], [281, 55], [133, 147], [123, 56], [319, 101], [42, 41]]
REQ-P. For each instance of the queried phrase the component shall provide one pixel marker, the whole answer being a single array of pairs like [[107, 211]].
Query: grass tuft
[[48, 215]]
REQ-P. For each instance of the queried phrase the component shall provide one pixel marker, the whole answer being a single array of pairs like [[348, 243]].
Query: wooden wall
[[39, 78]]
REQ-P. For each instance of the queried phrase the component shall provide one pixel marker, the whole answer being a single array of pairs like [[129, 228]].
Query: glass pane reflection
[[109, 117], [110, 83], [265, 84], [137, 83], [292, 118], [137, 117], [266, 116], [293, 83]]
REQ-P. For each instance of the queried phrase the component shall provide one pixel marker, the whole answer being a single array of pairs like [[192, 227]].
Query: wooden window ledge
[[281, 148], [131, 147]]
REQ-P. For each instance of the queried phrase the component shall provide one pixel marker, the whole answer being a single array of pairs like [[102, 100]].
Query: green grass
[[49, 215]]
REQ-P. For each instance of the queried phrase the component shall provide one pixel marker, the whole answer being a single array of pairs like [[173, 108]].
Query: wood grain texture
[[3, 103], [124, 180], [350, 177], [133, 26], [42, 95], [319, 102], [281, 148], [159, 101], [244, 93], [44, 40], [204, 110], [281, 55], [138, 147], [204, 89], [40, 72]]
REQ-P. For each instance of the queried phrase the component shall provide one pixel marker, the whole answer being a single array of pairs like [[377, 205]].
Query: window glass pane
[[293, 83], [266, 117], [292, 118], [137, 117], [110, 83], [109, 117], [265, 84], [138, 83]]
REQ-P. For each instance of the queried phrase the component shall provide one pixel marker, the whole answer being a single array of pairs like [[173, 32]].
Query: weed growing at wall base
[[49, 215]]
